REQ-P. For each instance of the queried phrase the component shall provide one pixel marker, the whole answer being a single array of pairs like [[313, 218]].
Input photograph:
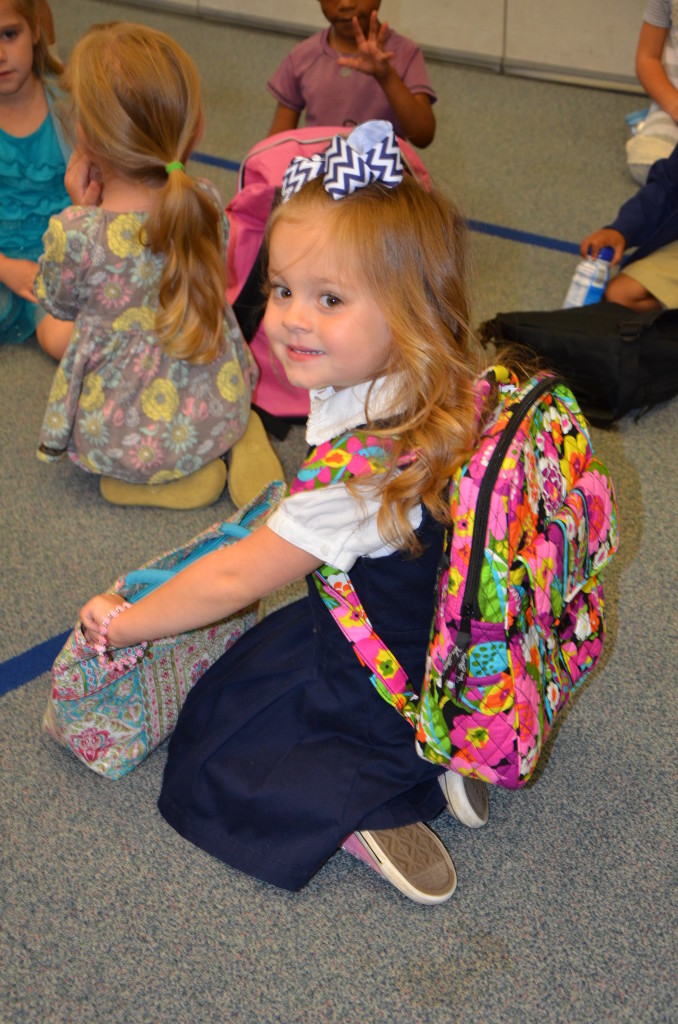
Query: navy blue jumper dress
[[284, 747]]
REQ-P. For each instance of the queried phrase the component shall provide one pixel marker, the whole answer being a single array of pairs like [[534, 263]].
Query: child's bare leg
[[627, 291], [54, 335]]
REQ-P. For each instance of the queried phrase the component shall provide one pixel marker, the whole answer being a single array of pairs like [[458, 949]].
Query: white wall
[[589, 41], [463, 29]]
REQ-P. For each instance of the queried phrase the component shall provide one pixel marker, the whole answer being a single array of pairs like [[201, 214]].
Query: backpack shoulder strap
[[357, 453], [385, 671]]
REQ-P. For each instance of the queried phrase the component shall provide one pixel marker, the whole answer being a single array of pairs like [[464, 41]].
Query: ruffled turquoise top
[[31, 190]]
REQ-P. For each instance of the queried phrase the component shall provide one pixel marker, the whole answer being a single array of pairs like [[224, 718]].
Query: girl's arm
[[652, 207], [650, 70], [413, 110], [206, 591], [285, 119]]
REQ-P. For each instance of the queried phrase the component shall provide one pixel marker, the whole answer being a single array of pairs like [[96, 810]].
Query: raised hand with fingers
[[371, 57]]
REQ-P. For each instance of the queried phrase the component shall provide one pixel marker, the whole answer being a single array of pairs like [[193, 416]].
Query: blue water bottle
[[590, 279]]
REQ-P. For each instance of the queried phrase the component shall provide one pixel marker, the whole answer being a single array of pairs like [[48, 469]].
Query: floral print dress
[[119, 405]]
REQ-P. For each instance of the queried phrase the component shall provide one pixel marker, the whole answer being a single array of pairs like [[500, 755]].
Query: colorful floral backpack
[[518, 620]]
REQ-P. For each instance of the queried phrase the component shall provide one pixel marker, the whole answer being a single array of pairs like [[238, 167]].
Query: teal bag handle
[[151, 579]]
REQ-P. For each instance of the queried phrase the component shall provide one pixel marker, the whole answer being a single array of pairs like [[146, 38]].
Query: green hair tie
[[175, 165]]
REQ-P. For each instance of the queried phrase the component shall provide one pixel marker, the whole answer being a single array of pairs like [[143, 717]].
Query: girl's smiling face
[[322, 325], [16, 51]]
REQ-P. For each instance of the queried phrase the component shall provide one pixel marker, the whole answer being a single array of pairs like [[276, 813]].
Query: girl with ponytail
[[155, 380]]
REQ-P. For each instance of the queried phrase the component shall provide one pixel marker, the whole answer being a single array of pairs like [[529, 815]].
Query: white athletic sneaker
[[467, 799], [412, 858]]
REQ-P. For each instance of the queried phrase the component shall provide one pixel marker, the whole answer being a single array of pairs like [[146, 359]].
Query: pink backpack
[[260, 176], [519, 613]]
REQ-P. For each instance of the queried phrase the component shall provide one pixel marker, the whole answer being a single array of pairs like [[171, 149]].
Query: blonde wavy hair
[[409, 248], [135, 97], [39, 17]]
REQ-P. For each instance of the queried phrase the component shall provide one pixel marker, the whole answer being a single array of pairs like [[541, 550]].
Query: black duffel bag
[[615, 359]]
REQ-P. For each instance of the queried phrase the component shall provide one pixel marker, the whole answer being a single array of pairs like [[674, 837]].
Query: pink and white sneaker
[[411, 857]]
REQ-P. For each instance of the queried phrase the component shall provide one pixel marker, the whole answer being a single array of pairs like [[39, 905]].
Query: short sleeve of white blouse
[[329, 522], [658, 13]]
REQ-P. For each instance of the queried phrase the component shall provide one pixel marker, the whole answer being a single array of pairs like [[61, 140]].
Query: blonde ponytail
[[186, 227], [136, 100]]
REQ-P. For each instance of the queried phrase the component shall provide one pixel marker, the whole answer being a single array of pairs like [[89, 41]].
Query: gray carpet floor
[[566, 905]]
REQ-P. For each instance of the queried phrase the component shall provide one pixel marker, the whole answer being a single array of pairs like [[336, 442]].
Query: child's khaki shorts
[[659, 274]]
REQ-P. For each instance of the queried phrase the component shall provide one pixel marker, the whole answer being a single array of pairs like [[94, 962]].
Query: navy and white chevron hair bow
[[370, 153]]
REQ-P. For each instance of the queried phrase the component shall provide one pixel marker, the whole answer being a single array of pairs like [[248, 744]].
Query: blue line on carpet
[[24, 667], [215, 161], [512, 234], [526, 237]]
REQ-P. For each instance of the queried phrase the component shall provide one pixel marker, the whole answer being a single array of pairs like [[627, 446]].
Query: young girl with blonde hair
[[34, 157], [155, 379], [284, 751]]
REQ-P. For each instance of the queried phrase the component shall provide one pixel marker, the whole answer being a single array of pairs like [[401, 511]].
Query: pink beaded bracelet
[[120, 659]]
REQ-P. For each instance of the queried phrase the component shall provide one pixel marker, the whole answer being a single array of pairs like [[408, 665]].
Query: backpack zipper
[[458, 656]]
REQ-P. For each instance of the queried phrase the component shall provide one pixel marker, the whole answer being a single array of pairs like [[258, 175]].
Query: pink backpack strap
[[357, 453], [385, 671]]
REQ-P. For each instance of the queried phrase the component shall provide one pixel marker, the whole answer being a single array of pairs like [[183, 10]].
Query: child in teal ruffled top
[[33, 157]]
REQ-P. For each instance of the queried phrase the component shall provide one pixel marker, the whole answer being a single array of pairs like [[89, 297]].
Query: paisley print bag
[[113, 711], [518, 620]]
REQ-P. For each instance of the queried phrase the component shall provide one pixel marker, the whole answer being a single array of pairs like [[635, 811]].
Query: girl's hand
[[372, 59], [18, 276], [93, 614], [83, 180], [592, 244]]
